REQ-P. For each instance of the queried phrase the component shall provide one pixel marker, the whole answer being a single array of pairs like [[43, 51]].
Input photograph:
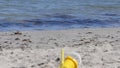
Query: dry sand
[[99, 48]]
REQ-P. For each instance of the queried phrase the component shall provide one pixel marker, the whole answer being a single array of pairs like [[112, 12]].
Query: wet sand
[[99, 48]]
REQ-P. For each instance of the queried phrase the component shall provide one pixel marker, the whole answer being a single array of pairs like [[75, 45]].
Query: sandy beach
[[98, 47]]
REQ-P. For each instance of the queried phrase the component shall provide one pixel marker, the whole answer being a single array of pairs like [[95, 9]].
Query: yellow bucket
[[70, 63]]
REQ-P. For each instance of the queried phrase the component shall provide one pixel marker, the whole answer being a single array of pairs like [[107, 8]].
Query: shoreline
[[69, 29]]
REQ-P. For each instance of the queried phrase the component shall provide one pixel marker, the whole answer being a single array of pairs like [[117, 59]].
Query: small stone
[[56, 44], [41, 64], [32, 65], [28, 56], [6, 42], [89, 33], [27, 40], [18, 33], [10, 42], [81, 40], [58, 59], [11, 52], [24, 35], [17, 39], [106, 51]]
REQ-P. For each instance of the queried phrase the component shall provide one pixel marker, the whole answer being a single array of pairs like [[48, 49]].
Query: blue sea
[[58, 14]]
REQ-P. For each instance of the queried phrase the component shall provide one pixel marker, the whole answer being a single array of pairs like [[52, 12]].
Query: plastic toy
[[68, 62]]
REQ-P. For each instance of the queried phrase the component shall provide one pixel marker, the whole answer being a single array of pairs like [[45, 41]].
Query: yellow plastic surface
[[69, 62]]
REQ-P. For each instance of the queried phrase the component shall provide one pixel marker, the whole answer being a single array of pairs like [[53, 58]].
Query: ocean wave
[[58, 22]]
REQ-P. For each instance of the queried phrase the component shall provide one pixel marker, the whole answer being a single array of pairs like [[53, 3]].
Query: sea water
[[58, 14]]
